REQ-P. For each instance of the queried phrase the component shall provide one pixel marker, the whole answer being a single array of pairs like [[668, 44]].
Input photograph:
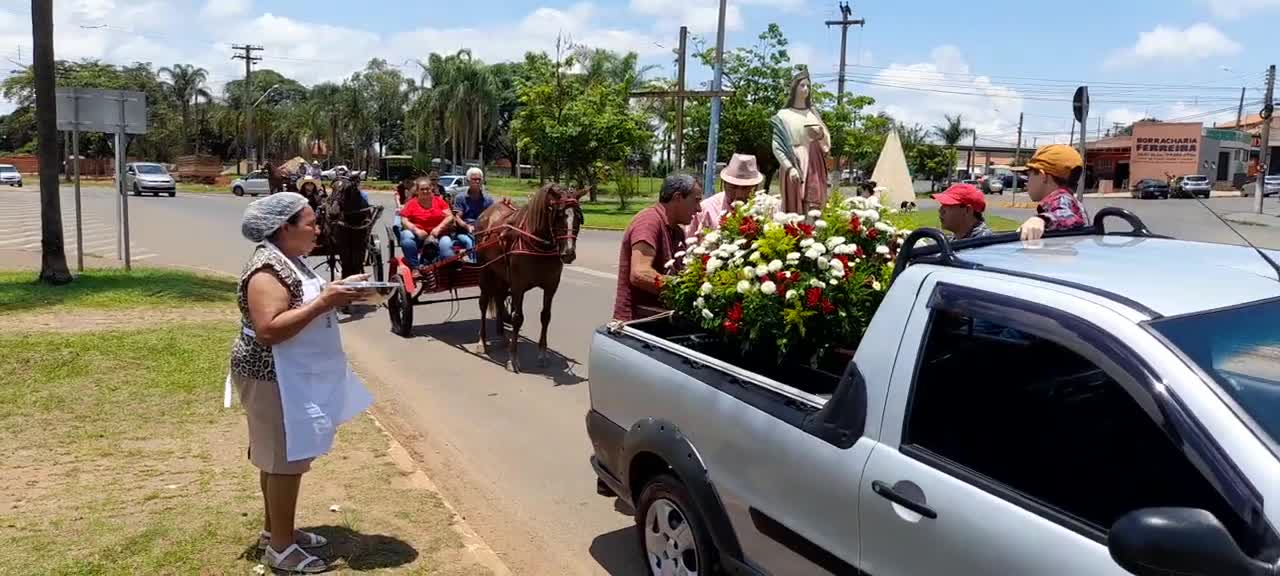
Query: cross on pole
[[680, 94]]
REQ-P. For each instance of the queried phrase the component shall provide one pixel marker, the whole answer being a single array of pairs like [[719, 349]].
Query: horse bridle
[[566, 202]]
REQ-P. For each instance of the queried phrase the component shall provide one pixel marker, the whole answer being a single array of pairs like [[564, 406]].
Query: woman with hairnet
[[289, 368]]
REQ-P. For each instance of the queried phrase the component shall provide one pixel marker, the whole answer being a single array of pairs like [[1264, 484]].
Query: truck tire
[[665, 507]]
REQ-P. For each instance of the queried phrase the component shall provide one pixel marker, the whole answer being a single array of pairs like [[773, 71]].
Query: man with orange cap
[[1051, 174], [960, 209]]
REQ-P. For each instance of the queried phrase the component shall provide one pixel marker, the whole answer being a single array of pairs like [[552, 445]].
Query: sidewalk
[[1269, 217]]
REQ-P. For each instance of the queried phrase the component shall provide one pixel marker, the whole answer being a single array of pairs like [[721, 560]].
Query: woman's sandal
[[307, 540], [307, 564]]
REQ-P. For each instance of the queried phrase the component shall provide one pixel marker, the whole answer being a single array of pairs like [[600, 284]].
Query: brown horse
[[348, 220], [524, 248]]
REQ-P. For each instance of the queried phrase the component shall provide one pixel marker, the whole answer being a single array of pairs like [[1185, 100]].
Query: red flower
[[827, 306], [855, 223], [807, 229], [813, 296], [705, 257], [723, 218], [735, 313], [749, 228], [873, 233], [843, 260], [660, 281], [730, 327], [799, 229], [857, 251]]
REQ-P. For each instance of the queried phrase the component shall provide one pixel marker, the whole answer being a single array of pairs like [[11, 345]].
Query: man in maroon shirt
[[648, 244]]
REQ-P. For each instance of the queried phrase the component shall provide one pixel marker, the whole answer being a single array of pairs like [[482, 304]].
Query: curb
[[474, 544]]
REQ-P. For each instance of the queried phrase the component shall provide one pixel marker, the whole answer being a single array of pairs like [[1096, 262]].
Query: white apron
[[318, 390]]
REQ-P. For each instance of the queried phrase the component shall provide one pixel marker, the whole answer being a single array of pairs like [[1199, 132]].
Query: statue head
[[801, 94]]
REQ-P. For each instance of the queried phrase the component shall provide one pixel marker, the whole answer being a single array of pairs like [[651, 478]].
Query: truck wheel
[[672, 535]]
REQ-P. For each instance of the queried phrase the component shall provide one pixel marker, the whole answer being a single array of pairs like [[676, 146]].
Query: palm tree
[[952, 132], [185, 85], [53, 257], [464, 97]]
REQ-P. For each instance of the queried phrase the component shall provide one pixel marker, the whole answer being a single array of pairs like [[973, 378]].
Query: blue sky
[[920, 59]]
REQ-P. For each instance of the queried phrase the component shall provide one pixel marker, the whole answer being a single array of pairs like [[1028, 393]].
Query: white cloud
[[701, 16], [1169, 44], [923, 92], [218, 10], [1233, 9], [1123, 116]]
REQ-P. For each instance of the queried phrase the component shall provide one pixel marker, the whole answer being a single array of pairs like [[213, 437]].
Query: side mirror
[[1185, 541]]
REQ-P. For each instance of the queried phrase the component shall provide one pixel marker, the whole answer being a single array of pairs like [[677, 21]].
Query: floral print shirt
[[1061, 211]]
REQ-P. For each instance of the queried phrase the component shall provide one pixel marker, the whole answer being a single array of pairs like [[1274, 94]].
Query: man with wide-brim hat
[[739, 179]]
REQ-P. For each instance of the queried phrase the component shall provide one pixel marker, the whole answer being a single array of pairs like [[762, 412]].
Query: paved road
[[509, 450]]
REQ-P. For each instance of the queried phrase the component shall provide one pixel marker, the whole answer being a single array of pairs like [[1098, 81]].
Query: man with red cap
[[960, 209]]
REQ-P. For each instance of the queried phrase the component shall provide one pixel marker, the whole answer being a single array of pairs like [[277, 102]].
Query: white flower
[[714, 264], [775, 265], [875, 285], [705, 289], [819, 247], [680, 254], [823, 263], [762, 271], [837, 264], [260, 570], [843, 249], [884, 227], [707, 314], [691, 240], [833, 282], [812, 254], [820, 224], [736, 204], [713, 237], [795, 218], [873, 215], [744, 286], [815, 213], [781, 217], [882, 250], [748, 272], [769, 288], [834, 241], [756, 257], [816, 283], [670, 263], [739, 241], [837, 272], [699, 251], [807, 242], [793, 257], [736, 262], [739, 253], [699, 303], [791, 294]]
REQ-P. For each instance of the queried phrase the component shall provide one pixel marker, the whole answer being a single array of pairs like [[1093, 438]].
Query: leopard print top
[[249, 358]]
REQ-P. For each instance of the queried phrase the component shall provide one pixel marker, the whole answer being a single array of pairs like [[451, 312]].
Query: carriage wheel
[[400, 309]]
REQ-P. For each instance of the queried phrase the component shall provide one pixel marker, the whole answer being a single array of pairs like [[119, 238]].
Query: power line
[[1090, 83]]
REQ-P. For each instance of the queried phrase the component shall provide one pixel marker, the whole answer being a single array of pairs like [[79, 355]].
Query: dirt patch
[[89, 320]]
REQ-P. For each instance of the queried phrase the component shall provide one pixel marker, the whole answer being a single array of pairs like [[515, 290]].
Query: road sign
[[1080, 103], [97, 110]]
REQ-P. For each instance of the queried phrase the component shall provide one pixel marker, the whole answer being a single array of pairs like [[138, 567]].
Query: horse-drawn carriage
[[517, 249], [346, 220]]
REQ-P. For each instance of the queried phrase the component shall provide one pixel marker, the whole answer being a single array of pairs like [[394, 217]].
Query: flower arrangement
[[789, 286]]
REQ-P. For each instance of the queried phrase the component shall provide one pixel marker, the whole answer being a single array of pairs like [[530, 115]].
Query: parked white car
[[253, 184], [9, 175]]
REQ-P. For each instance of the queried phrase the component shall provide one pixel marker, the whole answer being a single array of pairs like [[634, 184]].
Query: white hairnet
[[263, 217]]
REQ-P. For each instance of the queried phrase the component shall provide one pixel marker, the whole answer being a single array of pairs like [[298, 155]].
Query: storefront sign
[[1166, 149], [1163, 149]]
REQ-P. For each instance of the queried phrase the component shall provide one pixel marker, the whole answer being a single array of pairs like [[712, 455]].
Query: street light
[[264, 95], [250, 149]]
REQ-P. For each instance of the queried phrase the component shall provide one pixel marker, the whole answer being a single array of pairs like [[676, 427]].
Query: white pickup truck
[[1092, 404]]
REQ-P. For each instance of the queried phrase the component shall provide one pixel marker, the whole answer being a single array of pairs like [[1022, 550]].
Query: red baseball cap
[[962, 195]]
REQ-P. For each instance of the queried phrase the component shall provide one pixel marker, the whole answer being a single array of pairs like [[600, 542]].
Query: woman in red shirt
[[426, 218]]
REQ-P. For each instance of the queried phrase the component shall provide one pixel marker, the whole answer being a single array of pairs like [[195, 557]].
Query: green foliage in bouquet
[[786, 285]]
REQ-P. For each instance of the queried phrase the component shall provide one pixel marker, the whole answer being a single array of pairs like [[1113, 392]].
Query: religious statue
[[801, 144]]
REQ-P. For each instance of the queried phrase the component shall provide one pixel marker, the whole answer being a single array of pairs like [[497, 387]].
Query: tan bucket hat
[[742, 171]]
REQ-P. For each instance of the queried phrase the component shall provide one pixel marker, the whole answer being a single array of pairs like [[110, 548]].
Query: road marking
[[592, 272], [26, 238], [142, 256]]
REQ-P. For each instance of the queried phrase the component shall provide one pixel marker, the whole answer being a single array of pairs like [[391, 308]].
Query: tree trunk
[[53, 258], [66, 155]]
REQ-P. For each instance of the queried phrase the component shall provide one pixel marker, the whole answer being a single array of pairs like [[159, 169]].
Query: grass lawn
[[203, 188], [115, 289], [116, 456], [929, 219]]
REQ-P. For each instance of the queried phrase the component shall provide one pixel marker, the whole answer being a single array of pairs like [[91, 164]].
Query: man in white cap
[[739, 179]]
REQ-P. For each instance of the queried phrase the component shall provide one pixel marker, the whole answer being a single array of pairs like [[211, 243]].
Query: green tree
[[952, 131], [931, 161], [185, 84]]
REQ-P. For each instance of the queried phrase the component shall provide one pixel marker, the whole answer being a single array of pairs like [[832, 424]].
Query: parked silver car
[[1076, 407], [253, 184], [9, 175], [1194, 185], [150, 178]]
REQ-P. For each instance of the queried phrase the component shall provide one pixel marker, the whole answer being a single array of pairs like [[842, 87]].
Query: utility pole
[[684, 40], [844, 23], [249, 59], [1240, 110], [1016, 155], [53, 256], [1265, 145], [973, 151], [713, 134]]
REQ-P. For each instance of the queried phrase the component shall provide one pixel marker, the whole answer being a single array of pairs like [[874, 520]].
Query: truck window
[[1033, 417]]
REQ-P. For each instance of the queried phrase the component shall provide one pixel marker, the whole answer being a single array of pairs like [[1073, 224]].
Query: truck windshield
[[1240, 349]]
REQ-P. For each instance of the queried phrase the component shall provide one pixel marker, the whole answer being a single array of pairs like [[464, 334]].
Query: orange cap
[[1055, 159]]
